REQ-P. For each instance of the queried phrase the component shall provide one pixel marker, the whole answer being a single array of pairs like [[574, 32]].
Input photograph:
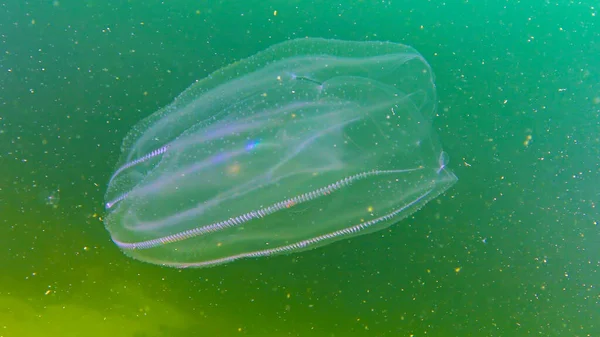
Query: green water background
[[513, 249]]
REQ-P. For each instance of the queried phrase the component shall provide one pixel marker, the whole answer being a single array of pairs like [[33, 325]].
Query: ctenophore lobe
[[307, 142]]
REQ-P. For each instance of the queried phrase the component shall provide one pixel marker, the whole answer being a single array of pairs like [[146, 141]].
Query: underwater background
[[512, 249]]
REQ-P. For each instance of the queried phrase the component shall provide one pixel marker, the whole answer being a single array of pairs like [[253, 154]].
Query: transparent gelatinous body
[[300, 145]]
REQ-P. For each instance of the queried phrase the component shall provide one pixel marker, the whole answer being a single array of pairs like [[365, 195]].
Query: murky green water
[[511, 250]]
